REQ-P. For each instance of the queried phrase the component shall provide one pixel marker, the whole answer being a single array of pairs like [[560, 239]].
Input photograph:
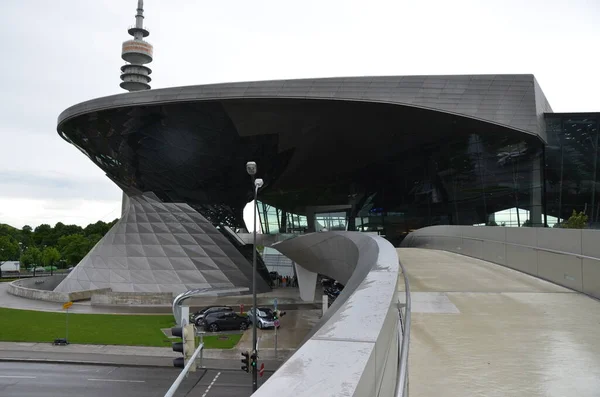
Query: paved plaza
[[480, 329]]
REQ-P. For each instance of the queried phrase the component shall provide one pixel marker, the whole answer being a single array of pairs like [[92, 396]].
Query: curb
[[79, 362], [103, 363]]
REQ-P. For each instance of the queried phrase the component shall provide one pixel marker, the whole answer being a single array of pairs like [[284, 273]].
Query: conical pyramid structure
[[161, 247]]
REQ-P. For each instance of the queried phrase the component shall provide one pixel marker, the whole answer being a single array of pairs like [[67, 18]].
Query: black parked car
[[198, 317], [221, 321], [327, 282], [333, 291]]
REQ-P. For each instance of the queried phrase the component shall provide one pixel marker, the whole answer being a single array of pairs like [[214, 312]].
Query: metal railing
[[184, 371], [403, 340], [179, 299]]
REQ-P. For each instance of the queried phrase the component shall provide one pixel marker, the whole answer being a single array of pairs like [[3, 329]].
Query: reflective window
[[572, 166]]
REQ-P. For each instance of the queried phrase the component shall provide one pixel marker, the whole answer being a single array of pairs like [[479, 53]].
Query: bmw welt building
[[389, 154]]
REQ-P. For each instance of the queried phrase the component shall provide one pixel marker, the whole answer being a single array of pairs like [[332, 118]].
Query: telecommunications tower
[[137, 53]]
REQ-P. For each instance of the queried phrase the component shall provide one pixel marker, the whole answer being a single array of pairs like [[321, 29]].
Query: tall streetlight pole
[[257, 184]]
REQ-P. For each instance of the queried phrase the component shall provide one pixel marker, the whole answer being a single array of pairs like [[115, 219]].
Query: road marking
[[17, 376], [211, 383], [118, 380]]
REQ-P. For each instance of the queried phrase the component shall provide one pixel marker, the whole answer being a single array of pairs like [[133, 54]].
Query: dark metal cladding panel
[[511, 100]]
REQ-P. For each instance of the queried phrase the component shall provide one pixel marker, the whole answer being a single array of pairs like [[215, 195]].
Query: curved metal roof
[[515, 101]]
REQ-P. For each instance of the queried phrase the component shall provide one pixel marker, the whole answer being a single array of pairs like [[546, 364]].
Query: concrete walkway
[[480, 329]]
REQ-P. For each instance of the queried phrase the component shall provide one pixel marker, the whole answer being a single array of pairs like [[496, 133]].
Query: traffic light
[[186, 346], [253, 359], [246, 361]]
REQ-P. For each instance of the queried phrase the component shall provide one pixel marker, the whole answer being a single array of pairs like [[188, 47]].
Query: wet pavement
[[53, 379], [480, 329], [295, 325]]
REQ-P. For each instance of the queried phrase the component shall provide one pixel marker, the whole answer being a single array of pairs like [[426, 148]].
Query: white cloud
[[33, 212]]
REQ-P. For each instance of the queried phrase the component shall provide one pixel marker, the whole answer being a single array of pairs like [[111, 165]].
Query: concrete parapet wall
[[42, 288], [110, 298], [567, 257], [39, 288], [353, 349], [47, 283], [87, 295]]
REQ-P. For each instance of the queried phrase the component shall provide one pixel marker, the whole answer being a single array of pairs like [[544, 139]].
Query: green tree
[[93, 239], [578, 220], [26, 236], [96, 228], [50, 256], [72, 242], [9, 231], [60, 230], [32, 256], [42, 235], [73, 248], [25, 259], [9, 249]]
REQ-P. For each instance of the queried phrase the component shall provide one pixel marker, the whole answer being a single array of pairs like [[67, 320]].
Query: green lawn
[[213, 341], [100, 329]]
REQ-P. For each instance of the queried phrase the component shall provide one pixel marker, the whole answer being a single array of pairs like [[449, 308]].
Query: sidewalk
[[127, 355]]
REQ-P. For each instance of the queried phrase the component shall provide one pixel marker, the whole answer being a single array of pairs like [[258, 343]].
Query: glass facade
[[274, 220], [396, 168], [331, 221], [271, 221], [462, 180], [572, 166], [503, 178]]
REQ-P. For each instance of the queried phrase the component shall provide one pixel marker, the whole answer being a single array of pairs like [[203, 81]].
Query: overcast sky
[[57, 53]]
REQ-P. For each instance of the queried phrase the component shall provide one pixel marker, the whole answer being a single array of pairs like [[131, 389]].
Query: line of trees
[[61, 246]]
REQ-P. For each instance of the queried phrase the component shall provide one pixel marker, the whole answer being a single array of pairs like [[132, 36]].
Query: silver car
[[266, 317]]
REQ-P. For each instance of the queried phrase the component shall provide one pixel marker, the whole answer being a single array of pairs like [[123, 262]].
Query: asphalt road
[[49, 380]]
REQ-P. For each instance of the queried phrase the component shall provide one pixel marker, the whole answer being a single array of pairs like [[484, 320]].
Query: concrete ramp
[[480, 329]]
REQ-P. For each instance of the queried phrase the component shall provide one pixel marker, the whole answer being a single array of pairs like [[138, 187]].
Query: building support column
[[535, 201], [352, 212], [283, 223], [310, 220], [307, 283]]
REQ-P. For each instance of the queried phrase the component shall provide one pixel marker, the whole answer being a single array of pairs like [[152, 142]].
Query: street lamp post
[[257, 184]]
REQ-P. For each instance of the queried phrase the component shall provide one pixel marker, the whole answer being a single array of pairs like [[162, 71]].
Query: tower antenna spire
[[135, 75], [139, 17]]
